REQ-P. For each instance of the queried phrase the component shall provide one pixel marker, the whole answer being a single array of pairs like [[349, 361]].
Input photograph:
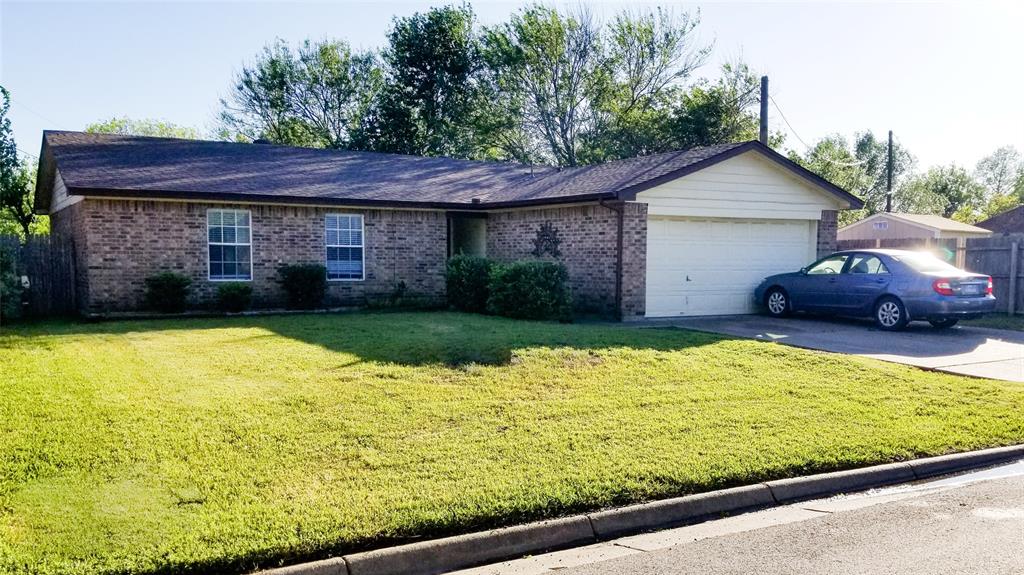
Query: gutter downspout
[[619, 208]]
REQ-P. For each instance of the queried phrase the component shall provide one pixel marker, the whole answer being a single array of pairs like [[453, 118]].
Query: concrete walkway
[[975, 351], [972, 523]]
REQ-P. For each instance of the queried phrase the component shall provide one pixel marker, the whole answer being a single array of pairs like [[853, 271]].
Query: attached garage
[[713, 234]]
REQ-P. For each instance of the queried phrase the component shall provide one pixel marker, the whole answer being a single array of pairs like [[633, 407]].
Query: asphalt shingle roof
[[1008, 222], [938, 222], [105, 164]]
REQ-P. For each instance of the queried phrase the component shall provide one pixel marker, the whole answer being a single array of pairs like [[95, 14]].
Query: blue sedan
[[892, 286]]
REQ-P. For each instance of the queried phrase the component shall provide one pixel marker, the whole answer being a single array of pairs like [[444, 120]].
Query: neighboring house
[[893, 226], [888, 229], [680, 233], [1009, 222]]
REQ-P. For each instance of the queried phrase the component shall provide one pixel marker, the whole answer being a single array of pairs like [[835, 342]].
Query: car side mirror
[[803, 270]]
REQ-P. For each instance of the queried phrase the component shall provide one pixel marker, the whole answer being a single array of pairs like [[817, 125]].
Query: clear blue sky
[[947, 77]]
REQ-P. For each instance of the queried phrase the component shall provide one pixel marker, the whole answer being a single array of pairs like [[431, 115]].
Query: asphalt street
[[972, 524]]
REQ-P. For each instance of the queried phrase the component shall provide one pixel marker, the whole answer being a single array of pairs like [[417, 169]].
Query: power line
[[801, 140], [33, 112], [26, 154]]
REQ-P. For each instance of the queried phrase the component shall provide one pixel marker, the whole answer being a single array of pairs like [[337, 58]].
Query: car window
[[829, 265], [925, 262], [866, 264]]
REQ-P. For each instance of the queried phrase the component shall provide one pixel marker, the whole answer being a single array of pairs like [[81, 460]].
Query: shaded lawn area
[[998, 321], [229, 444]]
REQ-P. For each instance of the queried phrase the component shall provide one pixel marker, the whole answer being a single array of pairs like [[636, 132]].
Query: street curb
[[441, 555], [668, 512], [932, 466], [798, 488], [462, 551]]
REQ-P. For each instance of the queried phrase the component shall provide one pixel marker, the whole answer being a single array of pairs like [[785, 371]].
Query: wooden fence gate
[[46, 264]]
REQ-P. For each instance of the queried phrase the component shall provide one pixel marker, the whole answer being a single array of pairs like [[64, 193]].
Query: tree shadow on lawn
[[404, 338]]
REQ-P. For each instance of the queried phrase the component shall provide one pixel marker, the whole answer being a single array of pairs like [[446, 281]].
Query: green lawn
[[227, 444], [999, 321]]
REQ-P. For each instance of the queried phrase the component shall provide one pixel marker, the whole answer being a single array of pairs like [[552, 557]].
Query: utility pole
[[888, 185], [763, 136]]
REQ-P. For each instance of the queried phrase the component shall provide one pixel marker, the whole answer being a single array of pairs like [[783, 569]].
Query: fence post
[[1011, 305]]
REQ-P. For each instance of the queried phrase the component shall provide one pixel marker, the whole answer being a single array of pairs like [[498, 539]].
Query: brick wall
[[828, 226], [123, 242], [588, 245], [634, 256]]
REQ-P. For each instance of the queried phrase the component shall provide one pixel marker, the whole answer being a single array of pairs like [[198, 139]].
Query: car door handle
[[881, 281]]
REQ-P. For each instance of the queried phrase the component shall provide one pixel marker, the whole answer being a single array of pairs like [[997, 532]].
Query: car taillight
[[988, 287], [942, 287]]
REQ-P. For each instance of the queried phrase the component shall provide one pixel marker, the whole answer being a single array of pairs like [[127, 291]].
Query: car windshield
[[925, 263]]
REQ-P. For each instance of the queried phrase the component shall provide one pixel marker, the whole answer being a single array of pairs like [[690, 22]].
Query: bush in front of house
[[467, 279], [234, 297], [304, 284], [10, 287], [530, 290], [167, 292]]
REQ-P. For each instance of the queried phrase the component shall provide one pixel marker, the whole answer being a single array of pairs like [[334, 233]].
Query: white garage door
[[711, 266]]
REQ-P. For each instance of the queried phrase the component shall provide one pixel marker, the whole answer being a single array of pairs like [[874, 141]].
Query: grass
[[998, 321], [230, 444]]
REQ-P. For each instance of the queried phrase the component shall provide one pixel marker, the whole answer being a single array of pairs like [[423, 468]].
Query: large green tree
[[548, 85], [861, 168], [1002, 174], [317, 96], [431, 93], [951, 192], [584, 92], [145, 127], [17, 181]]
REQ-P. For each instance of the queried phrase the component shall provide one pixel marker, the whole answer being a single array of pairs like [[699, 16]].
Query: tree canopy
[[17, 181], [146, 127], [548, 85]]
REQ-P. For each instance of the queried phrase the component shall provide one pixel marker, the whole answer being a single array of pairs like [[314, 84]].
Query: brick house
[[680, 233]]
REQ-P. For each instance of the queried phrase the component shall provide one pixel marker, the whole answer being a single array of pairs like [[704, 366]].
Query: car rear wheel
[[777, 303], [890, 314], [943, 323]]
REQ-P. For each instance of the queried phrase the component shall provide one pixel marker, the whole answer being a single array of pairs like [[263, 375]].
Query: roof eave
[[129, 194], [45, 176]]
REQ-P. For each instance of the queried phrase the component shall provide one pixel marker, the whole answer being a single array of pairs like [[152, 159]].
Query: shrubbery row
[[304, 286], [524, 289]]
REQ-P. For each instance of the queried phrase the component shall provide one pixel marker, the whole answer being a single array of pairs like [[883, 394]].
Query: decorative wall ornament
[[547, 241]]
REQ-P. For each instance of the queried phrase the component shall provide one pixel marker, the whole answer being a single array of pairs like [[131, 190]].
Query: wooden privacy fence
[[47, 265], [1000, 257]]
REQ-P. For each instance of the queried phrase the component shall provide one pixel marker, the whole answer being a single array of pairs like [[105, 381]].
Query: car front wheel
[[777, 303], [943, 323], [890, 314]]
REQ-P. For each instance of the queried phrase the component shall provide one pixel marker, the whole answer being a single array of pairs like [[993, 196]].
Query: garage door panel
[[711, 266]]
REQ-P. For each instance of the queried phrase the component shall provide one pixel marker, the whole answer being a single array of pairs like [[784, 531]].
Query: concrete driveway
[[975, 351]]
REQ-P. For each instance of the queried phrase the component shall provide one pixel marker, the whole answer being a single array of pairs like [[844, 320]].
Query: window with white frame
[[881, 225], [344, 246], [229, 238]]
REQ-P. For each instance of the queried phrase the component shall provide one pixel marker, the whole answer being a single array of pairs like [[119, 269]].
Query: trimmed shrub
[[467, 281], [530, 290], [304, 284], [167, 292], [234, 297], [10, 287]]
